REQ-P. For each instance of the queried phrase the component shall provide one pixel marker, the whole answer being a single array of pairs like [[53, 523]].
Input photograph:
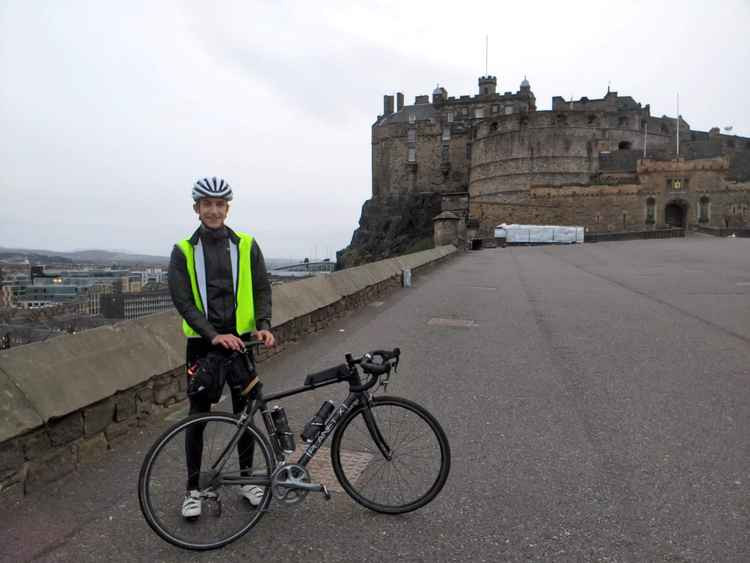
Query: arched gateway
[[675, 214]]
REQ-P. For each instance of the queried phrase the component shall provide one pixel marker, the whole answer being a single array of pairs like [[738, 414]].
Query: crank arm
[[313, 487]]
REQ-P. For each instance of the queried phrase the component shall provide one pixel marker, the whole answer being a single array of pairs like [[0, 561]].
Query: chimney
[[399, 101], [387, 105]]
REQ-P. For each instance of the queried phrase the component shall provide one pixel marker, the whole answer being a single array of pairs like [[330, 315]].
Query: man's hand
[[229, 341], [265, 337]]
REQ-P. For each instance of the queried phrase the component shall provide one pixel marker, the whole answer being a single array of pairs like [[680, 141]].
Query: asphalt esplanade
[[597, 405]]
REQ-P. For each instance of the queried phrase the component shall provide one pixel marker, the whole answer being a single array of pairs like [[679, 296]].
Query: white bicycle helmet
[[212, 187]]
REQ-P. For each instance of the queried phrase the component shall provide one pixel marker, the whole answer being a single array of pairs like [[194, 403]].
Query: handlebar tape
[[387, 354], [375, 369]]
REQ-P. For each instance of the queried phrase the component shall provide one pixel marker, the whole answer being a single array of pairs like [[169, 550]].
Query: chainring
[[283, 481]]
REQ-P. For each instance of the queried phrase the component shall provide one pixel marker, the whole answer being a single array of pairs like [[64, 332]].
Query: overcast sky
[[110, 110]]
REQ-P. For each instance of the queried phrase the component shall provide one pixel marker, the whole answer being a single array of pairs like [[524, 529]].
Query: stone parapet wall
[[66, 401]]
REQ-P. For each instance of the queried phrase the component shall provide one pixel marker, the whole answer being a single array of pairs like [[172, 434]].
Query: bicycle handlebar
[[373, 369]]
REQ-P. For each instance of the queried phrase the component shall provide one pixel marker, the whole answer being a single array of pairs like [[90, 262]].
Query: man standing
[[219, 285]]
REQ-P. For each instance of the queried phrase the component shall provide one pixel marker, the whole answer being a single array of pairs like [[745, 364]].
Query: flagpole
[[678, 125], [486, 54]]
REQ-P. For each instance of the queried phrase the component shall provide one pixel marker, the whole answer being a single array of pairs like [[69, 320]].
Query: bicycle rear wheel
[[225, 515], [419, 456]]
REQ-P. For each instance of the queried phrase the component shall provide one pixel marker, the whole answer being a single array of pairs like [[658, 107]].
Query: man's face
[[212, 211]]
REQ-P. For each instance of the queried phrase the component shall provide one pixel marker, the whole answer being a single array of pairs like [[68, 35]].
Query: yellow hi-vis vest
[[242, 276]]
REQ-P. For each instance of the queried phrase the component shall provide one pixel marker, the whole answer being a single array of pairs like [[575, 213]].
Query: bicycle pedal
[[325, 492]]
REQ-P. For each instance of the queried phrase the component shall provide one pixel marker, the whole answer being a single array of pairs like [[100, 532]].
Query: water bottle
[[316, 424], [284, 436]]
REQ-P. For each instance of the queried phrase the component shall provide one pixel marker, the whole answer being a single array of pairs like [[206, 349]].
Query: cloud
[[110, 110]]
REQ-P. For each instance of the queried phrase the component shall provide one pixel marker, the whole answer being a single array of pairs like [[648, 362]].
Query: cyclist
[[219, 285]]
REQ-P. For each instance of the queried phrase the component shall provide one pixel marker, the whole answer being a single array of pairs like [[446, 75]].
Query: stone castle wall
[[625, 206]]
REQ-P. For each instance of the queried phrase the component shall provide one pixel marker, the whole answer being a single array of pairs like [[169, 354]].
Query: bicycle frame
[[261, 405]]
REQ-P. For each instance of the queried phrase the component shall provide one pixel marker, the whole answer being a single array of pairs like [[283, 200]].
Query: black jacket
[[219, 285]]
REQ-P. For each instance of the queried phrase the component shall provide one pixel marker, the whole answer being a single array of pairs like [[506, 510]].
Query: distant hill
[[106, 257], [101, 257]]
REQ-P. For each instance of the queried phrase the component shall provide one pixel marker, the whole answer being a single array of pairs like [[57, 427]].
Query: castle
[[606, 164]]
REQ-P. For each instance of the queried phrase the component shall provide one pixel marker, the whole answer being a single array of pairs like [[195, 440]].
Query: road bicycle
[[388, 453]]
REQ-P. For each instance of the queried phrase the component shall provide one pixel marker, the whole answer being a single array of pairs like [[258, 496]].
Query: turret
[[439, 95], [487, 85], [525, 90]]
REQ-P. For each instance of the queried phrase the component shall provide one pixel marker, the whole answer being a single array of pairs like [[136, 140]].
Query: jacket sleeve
[[182, 296], [261, 289]]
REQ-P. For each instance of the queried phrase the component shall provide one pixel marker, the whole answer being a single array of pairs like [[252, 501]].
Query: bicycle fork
[[375, 433]]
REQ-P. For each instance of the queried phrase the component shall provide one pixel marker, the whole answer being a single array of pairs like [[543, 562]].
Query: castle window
[[486, 90], [625, 145], [703, 210], [412, 136], [479, 113], [508, 110], [592, 119], [493, 126], [468, 151], [562, 119], [465, 111], [650, 211], [643, 123], [449, 117], [446, 133], [445, 153], [494, 109], [412, 155], [412, 117], [664, 128], [597, 218], [622, 122], [624, 220]]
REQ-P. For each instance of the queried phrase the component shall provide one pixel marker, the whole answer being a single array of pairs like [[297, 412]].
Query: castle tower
[[439, 95], [525, 90], [487, 85]]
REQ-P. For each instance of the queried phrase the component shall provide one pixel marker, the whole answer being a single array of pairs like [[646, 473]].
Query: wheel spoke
[[417, 468], [225, 514]]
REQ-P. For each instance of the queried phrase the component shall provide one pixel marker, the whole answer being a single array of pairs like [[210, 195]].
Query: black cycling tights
[[194, 441], [197, 348]]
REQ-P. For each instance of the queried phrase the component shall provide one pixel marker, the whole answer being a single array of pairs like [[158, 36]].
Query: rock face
[[391, 226]]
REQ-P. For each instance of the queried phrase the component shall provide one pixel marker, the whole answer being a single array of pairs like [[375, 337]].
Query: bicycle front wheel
[[215, 470], [408, 472]]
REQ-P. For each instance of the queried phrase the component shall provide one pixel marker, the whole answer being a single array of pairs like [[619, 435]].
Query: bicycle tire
[[367, 462], [164, 467]]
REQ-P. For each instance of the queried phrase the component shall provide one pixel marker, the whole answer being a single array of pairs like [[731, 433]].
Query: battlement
[[487, 85], [610, 102]]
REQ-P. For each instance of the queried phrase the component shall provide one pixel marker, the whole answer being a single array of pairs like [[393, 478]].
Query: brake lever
[[385, 380]]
